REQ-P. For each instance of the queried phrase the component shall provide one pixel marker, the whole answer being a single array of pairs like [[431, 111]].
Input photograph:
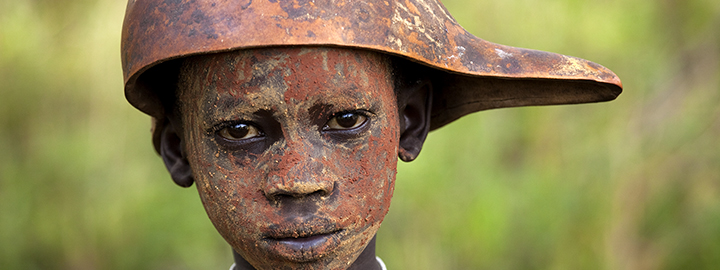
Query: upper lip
[[306, 228]]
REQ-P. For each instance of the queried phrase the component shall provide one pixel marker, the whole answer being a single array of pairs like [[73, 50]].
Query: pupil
[[347, 120], [239, 131]]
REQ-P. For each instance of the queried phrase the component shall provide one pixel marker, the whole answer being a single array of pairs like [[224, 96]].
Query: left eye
[[345, 121], [239, 132]]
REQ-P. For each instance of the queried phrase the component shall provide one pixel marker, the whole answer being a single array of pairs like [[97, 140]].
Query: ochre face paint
[[311, 183]]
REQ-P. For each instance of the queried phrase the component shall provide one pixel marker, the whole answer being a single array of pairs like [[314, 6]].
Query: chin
[[334, 250]]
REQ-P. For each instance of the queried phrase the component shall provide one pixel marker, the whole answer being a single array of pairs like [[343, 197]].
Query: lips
[[303, 242]]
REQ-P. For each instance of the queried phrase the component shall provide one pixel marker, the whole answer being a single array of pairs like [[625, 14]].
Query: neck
[[365, 261]]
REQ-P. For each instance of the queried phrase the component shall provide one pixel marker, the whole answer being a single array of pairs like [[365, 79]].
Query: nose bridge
[[298, 170]]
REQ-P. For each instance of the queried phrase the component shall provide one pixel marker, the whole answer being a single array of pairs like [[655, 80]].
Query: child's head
[[294, 149], [289, 116]]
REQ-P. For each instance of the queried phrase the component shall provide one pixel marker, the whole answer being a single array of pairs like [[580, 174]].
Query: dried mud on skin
[[250, 191]]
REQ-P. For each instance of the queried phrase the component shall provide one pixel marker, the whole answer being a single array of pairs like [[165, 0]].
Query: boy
[[289, 114]]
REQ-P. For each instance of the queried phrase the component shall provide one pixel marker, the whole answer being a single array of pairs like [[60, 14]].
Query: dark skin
[[290, 149]]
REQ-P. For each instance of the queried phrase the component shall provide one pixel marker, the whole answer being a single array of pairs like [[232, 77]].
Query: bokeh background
[[629, 184]]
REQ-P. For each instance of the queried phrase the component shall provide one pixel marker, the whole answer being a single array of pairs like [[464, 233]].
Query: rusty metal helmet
[[475, 74]]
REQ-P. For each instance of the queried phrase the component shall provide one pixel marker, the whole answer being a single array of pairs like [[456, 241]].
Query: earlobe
[[175, 160], [415, 120]]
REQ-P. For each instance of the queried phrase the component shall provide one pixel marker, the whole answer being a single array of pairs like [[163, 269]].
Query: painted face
[[293, 150]]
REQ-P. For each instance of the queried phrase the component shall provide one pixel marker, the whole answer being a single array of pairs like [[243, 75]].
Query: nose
[[298, 176]]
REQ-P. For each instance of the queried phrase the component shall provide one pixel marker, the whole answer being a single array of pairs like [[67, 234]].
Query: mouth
[[303, 244], [311, 241]]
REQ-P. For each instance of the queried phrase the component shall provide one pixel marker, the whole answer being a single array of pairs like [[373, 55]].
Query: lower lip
[[304, 242], [304, 248]]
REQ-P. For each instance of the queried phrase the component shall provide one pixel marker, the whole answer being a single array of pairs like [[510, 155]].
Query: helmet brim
[[474, 75]]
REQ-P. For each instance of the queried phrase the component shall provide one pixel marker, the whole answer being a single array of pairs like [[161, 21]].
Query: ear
[[172, 153], [414, 119]]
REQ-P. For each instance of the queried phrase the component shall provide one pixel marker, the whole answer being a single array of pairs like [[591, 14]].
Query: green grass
[[630, 184]]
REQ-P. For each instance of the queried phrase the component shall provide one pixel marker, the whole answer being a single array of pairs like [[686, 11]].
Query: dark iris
[[347, 120], [238, 131]]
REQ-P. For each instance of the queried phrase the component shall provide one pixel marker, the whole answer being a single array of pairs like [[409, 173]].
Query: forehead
[[268, 77]]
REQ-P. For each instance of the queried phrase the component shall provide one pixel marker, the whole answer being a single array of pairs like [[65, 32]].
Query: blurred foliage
[[629, 184]]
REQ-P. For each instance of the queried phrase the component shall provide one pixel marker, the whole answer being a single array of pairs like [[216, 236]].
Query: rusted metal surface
[[271, 160], [421, 30]]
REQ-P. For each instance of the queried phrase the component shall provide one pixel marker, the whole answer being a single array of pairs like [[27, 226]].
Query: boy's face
[[293, 150]]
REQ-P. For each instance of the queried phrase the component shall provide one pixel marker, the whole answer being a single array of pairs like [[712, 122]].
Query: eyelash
[[223, 127], [363, 116]]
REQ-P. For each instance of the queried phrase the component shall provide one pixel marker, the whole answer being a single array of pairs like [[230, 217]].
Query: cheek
[[369, 174], [231, 180], [226, 186]]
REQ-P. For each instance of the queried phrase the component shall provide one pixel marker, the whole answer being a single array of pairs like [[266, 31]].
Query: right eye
[[345, 121], [237, 132]]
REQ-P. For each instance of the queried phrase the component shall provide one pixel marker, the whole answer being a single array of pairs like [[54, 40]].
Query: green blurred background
[[629, 184]]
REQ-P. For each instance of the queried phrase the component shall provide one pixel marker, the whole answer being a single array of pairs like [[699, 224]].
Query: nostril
[[319, 193], [281, 197], [290, 194]]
